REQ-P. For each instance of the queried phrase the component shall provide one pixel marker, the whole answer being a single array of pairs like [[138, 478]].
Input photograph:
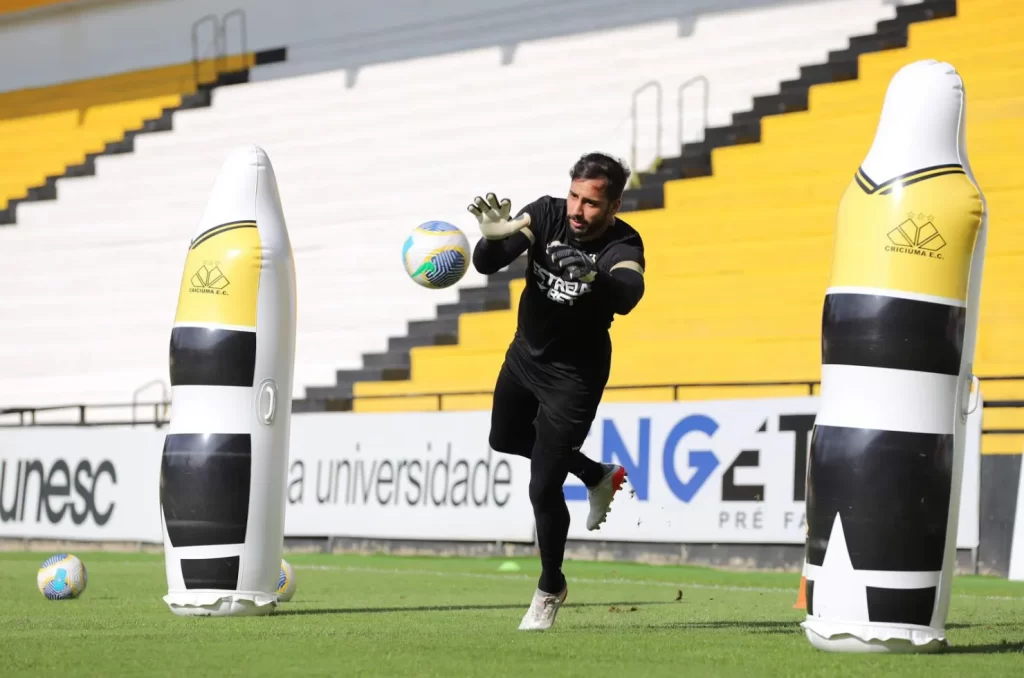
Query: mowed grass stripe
[[389, 616]]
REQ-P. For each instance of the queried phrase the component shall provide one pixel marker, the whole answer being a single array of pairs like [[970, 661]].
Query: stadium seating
[[736, 271], [738, 297], [46, 131], [738, 262], [358, 167]]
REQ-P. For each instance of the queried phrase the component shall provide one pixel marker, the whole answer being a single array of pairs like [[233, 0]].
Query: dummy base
[[210, 603], [874, 638]]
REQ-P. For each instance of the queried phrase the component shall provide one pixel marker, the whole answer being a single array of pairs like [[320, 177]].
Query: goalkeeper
[[584, 265]]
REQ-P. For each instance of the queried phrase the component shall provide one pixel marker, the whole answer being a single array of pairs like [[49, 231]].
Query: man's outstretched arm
[[622, 284], [490, 256], [504, 238]]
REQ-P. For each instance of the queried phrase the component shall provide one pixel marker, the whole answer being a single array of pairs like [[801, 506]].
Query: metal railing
[[636, 94], [197, 56], [1001, 405], [243, 30], [680, 121], [29, 416], [160, 410], [165, 401], [697, 79], [810, 386], [220, 51]]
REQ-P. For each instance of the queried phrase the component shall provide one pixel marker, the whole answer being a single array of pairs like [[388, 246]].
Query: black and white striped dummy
[[232, 356], [898, 337]]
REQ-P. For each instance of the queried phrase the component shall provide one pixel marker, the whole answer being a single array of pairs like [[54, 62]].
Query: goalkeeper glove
[[494, 217], [572, 263]]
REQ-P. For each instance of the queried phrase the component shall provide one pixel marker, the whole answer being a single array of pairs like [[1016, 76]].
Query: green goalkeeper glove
[[494, 217]]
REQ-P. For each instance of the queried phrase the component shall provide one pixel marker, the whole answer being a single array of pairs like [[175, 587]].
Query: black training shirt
[[566, 322]]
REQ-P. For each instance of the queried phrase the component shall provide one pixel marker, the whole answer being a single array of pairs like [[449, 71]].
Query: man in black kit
[[584, 265]]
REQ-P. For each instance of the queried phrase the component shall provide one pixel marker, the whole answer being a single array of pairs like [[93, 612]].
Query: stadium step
[[395, 363], [338, 398], [201, 98], [694, 160]]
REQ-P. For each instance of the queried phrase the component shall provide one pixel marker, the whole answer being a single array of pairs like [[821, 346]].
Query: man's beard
[[585, 228]]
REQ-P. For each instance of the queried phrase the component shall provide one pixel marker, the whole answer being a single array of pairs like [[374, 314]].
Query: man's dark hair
[[601, 166]]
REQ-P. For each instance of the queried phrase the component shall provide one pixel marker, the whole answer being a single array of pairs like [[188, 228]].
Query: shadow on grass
[[622, 606], [793, 628], [762, 627], [1004, 647]]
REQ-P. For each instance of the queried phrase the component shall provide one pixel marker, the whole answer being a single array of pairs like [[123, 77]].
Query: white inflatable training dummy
[[232, 356], [898, 336]]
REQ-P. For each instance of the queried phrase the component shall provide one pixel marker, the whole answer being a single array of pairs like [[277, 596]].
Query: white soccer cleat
[[543, 610], [601, 495]]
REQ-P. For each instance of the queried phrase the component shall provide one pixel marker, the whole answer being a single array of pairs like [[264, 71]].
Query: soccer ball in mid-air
[[286, 582], [436, 254], [61, 576]]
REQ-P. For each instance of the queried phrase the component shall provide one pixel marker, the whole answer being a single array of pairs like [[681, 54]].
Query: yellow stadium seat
[[13, 6], [738, 262], [43, 131]]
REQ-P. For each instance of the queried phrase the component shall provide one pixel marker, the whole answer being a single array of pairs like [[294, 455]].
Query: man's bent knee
[[511, 444]]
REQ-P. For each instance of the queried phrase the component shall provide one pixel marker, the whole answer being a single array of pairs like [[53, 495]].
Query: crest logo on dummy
[[209, 280], [922, 241]]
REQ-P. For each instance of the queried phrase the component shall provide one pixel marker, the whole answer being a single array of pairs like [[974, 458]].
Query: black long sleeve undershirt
[[623, 288], [490, 256]]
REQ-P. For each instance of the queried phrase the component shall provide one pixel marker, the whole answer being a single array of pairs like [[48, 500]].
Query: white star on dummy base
[[838, 593]]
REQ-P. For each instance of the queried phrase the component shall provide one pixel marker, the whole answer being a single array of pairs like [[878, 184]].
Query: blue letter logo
[[704, 461]]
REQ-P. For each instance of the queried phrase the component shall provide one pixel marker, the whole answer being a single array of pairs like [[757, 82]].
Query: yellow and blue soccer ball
[[61, 577], [436, 254], [286, 582]]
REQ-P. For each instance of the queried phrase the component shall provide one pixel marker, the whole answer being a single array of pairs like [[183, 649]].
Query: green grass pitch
[[404, 616]]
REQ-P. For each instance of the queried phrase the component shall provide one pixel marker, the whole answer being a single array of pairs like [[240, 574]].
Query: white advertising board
[[425, 475], [728, 471], [703, 472], [89, 484]]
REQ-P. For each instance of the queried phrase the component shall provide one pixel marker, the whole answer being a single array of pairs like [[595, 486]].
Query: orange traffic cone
[[801, 598]]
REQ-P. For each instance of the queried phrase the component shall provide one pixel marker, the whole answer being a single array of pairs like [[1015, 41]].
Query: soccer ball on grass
[[61, 577], [286, 582]]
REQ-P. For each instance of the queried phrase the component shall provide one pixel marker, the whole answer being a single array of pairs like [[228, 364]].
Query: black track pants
[[544, 414]]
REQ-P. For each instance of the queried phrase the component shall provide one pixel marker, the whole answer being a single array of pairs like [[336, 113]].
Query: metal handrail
[[82, 409], [244, 33], [156, 406], [56, 408], [220, 40], [165, 404], [810, 385], [679, 103], [212, 18], [636, 93]]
